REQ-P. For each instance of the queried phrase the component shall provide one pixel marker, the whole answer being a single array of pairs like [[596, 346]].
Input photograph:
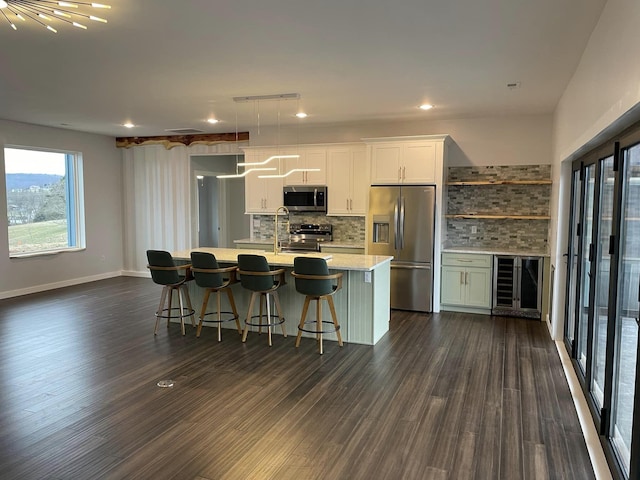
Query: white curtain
[[157, 189]]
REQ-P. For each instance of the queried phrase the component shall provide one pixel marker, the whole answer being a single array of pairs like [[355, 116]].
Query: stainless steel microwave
[[306, 198]]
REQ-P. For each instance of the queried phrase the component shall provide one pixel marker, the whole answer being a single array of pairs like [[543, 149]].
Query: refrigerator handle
[[401, 222], [395, 226]]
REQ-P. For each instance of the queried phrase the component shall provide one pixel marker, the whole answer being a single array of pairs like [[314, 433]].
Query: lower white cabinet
[[466, 282]]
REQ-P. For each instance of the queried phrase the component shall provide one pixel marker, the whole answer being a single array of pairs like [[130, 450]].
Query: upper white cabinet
[[309, 157], [347, 180], [409, 160], [261, 195]]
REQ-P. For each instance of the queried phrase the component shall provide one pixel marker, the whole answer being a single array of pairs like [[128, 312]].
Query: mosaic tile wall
[[345, 229], [531, 235]]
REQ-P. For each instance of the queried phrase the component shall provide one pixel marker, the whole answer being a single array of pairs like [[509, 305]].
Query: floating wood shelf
[[502, 182], [499, 217]]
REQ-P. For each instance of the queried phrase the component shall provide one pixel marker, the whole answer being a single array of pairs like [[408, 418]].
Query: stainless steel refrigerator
[[401, 222]]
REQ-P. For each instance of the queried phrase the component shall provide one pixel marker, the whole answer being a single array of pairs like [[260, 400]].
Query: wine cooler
[[517, 286]]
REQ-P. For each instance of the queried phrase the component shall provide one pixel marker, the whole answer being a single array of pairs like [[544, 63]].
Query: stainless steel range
[[307, 237]]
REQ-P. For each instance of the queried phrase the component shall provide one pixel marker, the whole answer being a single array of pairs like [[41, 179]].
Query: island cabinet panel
[[309, 158], [362, 305], [405, 162], [466, 282], [347, 180]]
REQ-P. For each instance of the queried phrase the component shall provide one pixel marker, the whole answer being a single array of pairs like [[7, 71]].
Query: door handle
[[347, 204], [404, 171], [401, 222], [351, 204], [466, 278], [395, 226], [399, 173], [461, 278]]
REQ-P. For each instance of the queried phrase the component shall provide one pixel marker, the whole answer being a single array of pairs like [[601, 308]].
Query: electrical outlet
[[367, 277], [474, 229]]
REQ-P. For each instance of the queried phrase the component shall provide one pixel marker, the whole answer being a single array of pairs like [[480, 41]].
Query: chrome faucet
[[275, 236]]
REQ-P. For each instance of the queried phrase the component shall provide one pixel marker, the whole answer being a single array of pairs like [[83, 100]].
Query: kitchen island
[[362, 305]]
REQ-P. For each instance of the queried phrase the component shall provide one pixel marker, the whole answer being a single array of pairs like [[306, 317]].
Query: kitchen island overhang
[[363, 304]]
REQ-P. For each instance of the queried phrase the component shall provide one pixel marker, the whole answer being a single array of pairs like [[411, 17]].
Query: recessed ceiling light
[[426, 106], [213, 120], [301, 115], [128, 125]]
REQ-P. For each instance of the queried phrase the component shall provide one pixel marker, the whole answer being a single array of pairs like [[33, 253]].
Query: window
[[44, 201]]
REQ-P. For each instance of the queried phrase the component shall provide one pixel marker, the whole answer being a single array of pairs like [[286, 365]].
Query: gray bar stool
[[166, 272], [257, 276], [314, 280], [210, 276]]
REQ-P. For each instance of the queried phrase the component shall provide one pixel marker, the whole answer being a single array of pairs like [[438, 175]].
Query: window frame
[[74, 204]]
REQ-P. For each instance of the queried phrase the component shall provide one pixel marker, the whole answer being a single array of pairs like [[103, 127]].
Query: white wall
[[508, 140], [601, 100], [103, 213]]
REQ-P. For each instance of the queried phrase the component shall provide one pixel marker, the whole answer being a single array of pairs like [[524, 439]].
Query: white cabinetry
[[261, 195], [347, 180], [309, 157], [466, 282], [403, 161]]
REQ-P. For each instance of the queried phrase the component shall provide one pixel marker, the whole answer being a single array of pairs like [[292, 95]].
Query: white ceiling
[[165, 64]]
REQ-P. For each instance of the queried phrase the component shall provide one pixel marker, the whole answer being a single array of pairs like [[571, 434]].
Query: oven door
[[305, 199]]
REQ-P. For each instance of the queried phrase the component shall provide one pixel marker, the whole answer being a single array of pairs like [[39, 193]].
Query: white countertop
[[336, 261], [496, 251], [333, 244]]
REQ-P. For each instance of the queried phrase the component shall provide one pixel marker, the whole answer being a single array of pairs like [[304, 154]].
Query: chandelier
[[45, 11]]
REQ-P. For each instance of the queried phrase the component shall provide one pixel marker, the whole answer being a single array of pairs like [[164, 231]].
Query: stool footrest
[[308, 330], [222, 320], [161, 314], [272, 324]]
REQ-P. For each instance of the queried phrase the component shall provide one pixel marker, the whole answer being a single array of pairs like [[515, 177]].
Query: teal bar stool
[[173, 276], [313, 279], [211, 278], [257, 276]]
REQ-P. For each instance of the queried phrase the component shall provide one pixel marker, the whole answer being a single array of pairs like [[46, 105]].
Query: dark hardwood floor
[[446, 396]]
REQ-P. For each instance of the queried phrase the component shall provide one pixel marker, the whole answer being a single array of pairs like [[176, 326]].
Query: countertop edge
[[497, 251]]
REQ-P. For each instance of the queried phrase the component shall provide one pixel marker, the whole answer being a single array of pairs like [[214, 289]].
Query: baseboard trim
[[52, 286], [133, 273], [591, 438]]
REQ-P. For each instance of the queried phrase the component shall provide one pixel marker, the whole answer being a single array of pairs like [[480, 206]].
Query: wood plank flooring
[[443, 396]]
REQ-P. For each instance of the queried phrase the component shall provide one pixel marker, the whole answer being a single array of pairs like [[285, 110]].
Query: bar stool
[[166, 272], [313, 280], [209, 275], [256, 275]]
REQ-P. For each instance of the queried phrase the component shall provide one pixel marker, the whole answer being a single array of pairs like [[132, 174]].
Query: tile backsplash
[[508, 233], [345, 229]]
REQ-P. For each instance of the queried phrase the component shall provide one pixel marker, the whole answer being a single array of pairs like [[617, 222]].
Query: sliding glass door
[[600, 313], [626, 326], [603, 295], [572, 259], [586, 255]]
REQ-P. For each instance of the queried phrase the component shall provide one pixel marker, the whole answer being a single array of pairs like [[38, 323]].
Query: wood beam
[[170, 141]]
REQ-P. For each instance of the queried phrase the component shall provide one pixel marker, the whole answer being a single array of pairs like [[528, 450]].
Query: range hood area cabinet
[[343, 168], [517, 289], [309, 157]]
